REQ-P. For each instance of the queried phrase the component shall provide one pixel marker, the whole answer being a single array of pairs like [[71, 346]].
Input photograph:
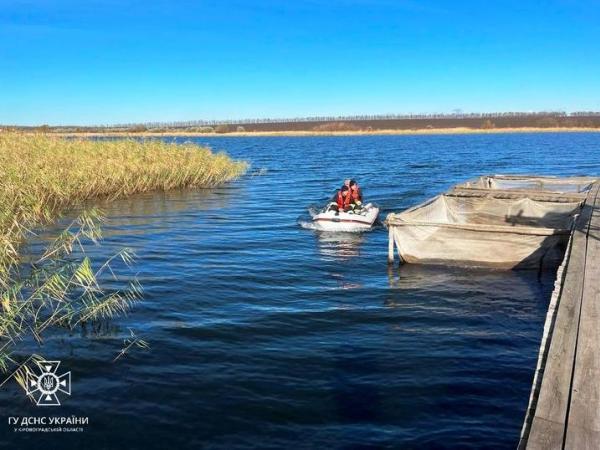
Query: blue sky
[[94, 62]]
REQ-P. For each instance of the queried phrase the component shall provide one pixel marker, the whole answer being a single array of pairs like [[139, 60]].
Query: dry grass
[[42, 175], [336, 126], [364, 132]]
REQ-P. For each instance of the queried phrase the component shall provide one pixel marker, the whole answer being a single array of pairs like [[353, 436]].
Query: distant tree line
[[375, 117], [349, 123]]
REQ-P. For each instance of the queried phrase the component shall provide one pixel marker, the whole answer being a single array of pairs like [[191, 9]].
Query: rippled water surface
[[264, 334]]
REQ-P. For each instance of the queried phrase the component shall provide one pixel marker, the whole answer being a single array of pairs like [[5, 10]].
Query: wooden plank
[[548, 178], [545, 344], [486, 228], [583, 427], [581, 438], [542, 196], [547, 435], [553, 401]]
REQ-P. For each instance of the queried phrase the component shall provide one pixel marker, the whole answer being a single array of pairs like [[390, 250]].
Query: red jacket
[[342, 201], [356, 196]]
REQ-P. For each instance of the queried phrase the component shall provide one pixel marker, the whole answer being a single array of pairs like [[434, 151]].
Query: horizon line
[[300, 119]]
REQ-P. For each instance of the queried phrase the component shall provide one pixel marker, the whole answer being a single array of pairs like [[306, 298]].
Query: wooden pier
[[564, 407]]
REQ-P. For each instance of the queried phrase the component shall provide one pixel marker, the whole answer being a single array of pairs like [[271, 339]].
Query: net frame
[[434, 232]]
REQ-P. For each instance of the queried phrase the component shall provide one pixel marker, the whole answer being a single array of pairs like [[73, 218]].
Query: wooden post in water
[[390, 246]]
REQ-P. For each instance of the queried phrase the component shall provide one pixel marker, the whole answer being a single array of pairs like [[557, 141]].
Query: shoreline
[[408, 132]]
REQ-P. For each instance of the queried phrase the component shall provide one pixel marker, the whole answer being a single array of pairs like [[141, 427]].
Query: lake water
[[264, 334]]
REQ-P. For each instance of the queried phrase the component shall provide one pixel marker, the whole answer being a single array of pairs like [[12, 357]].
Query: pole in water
[[390, 247]]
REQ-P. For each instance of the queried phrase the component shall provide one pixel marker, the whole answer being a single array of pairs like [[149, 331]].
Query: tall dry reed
[[42, 175]]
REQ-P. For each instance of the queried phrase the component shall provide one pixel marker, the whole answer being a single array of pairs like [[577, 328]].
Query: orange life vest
[[342, 201], [355, 196]]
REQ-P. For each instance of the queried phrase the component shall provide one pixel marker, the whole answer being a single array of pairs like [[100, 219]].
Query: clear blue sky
[[88, 61]]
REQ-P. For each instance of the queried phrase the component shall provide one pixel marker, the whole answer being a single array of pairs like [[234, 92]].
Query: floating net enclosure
[[483, 231], [568, 185]]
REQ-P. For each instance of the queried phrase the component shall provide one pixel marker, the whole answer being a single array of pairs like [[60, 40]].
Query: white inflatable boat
[[330, 220]]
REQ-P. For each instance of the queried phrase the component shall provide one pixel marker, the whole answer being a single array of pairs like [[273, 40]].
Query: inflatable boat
[[329, 219]]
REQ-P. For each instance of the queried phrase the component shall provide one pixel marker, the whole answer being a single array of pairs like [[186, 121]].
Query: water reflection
[[151, 212], [168, 209], [339, 246], [480, 290]]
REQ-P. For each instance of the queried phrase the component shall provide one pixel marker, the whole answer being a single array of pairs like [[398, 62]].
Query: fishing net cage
[[483, 231], [567, 185]]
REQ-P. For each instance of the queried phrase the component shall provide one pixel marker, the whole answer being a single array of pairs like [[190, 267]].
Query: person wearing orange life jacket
[[342, 199], [355, 193]]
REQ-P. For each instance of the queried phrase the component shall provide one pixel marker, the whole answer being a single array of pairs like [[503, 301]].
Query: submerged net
[[503, 233]]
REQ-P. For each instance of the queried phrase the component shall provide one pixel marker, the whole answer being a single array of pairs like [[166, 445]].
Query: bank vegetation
[[42, 177]]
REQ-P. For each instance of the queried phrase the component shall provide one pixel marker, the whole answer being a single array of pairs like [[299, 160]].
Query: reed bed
[[42, 175]]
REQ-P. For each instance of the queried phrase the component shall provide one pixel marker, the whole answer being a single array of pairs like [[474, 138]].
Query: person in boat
[[342, 199], [355, 193]]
